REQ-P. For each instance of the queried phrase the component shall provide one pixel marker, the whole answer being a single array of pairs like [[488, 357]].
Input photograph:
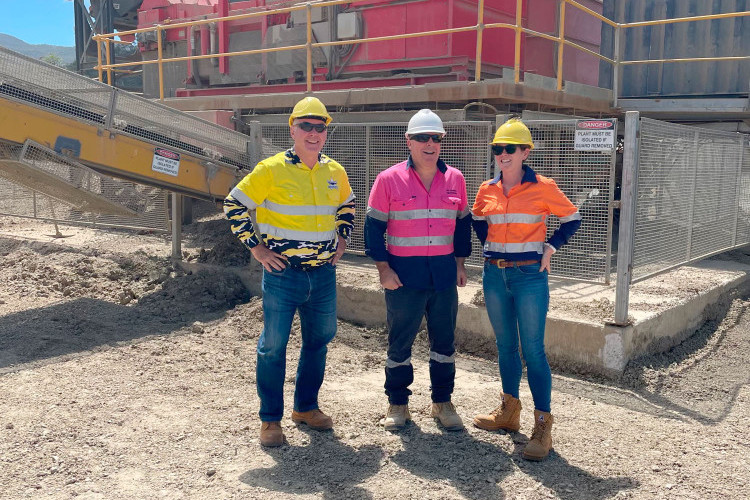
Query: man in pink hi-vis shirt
[[421, 204]]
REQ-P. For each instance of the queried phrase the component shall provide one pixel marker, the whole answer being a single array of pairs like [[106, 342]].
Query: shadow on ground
[[85, 323]]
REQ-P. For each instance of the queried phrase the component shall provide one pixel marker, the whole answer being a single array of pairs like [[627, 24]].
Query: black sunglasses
[[308, 127], [510, 148], [426, 137]]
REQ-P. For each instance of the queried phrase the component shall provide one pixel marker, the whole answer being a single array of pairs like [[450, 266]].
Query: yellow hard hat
[[310, 107], [514, 131]]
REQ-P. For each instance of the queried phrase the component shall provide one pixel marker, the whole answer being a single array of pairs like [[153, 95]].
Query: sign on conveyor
[[594, 135], [166, 162]]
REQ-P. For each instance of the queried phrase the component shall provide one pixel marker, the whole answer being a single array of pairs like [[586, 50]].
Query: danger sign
[[166, 162], [595, 135]]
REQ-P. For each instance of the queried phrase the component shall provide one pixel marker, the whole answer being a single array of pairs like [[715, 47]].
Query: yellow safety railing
[[479, 28]]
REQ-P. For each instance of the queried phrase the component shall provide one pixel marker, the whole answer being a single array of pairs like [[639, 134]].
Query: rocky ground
[[124, 376]]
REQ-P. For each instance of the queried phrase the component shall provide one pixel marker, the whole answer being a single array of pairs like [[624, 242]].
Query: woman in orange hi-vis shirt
[[509, 219]]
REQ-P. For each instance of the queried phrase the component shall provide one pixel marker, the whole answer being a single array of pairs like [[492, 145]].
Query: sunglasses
[[309, 127], [510, 148], [436, 138]]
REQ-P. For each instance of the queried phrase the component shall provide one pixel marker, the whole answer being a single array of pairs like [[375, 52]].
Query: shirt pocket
[[451, 203], [402, 204]]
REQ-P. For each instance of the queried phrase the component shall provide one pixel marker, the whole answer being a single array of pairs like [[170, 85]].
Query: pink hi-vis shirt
[[419, 223]]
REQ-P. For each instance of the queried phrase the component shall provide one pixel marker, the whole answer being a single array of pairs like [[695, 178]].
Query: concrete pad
[[664, 310]]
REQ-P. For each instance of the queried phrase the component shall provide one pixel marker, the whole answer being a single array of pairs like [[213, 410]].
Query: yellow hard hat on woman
[[310, 107], [514, 131]]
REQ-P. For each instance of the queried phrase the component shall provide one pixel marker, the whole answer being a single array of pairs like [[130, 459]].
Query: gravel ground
[[122, 376]]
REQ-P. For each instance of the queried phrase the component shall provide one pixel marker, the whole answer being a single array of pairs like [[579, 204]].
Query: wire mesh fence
[[365, 150], [692, 196]]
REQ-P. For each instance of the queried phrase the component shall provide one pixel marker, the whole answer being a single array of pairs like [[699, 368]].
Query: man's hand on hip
[[270, 260]]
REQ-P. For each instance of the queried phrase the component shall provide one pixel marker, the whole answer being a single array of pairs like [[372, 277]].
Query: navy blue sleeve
[[374, 239], [481, 228], [462, 236], [564, 233]]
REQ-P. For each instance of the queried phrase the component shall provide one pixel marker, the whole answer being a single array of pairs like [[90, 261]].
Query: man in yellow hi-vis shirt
[[305, 212]]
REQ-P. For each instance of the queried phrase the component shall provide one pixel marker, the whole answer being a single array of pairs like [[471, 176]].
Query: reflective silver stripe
[[349, 198], [300, 209], [240, 196], [478, 217], [420, 241], [389, 363], [568, 218], [466, 211], [291, 234], [425, 213], [377, 214], [532, 246], [515, 219], [442, 358]]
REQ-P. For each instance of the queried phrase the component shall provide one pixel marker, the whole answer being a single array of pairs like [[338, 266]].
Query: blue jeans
[[405, 309], [313, 294], [517, 300]]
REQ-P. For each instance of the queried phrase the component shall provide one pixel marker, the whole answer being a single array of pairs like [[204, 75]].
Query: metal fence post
[[627, 216], [176, 226]]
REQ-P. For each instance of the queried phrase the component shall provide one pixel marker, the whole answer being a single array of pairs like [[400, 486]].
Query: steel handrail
[[479, 28]]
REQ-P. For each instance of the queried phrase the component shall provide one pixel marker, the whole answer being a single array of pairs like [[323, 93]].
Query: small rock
[[9, 425], [210, 472], [197, 327]]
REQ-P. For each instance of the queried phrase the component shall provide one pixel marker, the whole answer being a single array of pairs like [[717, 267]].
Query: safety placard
[[594, 135], [166, 162]]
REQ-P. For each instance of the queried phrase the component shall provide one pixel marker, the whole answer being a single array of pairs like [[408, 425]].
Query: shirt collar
[[294, 159], [528, 176], [440, 164]]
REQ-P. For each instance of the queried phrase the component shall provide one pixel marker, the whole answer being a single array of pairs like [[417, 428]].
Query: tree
[[53, 60]]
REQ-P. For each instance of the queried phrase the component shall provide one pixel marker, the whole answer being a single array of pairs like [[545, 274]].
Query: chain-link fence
[[586, 177], [692, 195]]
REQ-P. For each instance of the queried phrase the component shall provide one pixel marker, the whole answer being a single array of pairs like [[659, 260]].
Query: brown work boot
[[507, 416], [541, 439], [271, 434], [396, 417], [446, 414], [315, 419]]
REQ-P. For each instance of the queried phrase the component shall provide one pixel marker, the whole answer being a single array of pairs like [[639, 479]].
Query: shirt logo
[[451, 191], [332, 184]]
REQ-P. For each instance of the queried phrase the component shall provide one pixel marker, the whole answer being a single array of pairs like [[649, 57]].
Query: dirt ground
[[123, 376]]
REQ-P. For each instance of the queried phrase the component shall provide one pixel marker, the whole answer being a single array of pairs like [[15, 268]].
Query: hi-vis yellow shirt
[[300, 211]]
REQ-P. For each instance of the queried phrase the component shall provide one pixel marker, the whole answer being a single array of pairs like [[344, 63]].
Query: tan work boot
[[446, 414], [315, 419], [507, 416], [396, 417], [271, 434], [541, 439]]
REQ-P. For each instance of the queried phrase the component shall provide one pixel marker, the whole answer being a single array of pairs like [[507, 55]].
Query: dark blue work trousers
[[406, 307]]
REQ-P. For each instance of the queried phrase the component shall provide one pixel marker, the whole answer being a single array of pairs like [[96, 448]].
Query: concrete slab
[[664, 309]]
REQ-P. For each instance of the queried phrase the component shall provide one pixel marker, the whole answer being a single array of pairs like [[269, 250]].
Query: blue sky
[[39, 21]]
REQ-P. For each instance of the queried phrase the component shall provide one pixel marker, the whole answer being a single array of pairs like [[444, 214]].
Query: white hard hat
[[425, 121]]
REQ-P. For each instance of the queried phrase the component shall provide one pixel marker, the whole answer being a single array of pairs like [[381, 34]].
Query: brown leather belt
[[501, 263]]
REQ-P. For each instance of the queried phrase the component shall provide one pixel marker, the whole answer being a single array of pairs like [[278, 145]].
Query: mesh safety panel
[[365, 150], [38, 183], [586, 179], [691, 189], [743, 217]]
